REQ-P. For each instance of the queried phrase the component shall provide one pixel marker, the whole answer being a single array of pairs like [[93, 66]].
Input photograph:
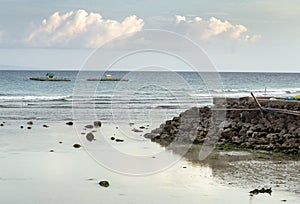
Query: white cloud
[[212, 29], [80, 29]]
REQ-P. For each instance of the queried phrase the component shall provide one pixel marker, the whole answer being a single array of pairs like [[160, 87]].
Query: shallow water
[[30, 173]]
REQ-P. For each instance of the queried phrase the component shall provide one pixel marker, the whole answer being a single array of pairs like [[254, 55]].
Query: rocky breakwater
[[242, 127]]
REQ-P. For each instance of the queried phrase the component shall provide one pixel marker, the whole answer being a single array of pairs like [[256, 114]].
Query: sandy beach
[[40, 165]]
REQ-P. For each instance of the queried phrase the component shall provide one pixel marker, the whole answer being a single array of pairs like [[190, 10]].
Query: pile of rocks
[[243, 126]]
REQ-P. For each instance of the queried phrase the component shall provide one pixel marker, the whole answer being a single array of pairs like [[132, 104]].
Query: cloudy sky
[[237, 35]]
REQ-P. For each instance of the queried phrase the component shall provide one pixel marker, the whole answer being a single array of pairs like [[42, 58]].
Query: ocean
[[155, 96]]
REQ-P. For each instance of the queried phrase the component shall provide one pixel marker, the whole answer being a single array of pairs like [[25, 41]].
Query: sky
[[236, 35]]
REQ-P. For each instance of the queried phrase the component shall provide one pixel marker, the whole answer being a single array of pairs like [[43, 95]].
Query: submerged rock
[[69, 123], [97, 123], [90, 137], [119, 140], [262, 190], [76, 146], [29, 123], [136, 130], [46, 126], [89, 126], [104, 184]]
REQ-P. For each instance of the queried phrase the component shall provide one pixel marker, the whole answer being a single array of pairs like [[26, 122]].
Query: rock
[[29, 123], [28, 128], [46, 126], [76, 146], [225, 124], [97, 123], [21, 127], [149, 135], [142, 127], [89, 126], [131, 124], [69, 123], [51, 150], [60, 142], [136, 130], [1, 125], [242, 128], [297, 132], [112, 138], [119, 140], [104, 184], [90, 137], [262, 190]]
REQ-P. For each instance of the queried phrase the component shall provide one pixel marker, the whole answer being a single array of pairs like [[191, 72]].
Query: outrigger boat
[[108, 77], [264, 110], [49, 77]]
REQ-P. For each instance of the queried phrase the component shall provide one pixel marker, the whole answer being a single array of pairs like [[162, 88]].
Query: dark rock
[[142, 127], [104, 184], [262, 190], [242, 128], [28, 128], [90, 137], [89, 126], [136, 130], [1, 125], [149, 135], [97, 123], [76, 146], [46, 126], [119, 140], [29, 123], [21, 127], [131, 124], [112, 138], [51, 150], [69, 123], [60, 142]]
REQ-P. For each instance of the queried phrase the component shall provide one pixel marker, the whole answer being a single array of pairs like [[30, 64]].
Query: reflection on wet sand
[[249, 169]]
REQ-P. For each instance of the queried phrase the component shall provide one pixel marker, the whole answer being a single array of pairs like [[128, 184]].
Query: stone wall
[[244, 126]]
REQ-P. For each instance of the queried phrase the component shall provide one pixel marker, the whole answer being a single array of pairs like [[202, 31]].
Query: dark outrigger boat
[[108, 77], [49, 77]]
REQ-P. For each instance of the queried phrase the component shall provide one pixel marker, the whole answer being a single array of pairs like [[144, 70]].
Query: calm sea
[[155, 95]]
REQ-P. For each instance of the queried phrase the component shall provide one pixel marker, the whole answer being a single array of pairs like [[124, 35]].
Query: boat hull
[[105, 79], [48, 79]]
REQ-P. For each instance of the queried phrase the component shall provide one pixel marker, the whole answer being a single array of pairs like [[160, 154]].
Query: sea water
[[156, 95]]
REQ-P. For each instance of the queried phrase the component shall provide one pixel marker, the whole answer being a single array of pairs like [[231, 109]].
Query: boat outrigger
[[49, 77], [264, 110], [108, 77]]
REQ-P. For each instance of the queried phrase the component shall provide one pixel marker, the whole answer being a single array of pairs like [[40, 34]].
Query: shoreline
[[185, 178]]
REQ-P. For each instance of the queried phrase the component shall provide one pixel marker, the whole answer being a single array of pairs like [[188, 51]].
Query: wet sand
[[31, 173]]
